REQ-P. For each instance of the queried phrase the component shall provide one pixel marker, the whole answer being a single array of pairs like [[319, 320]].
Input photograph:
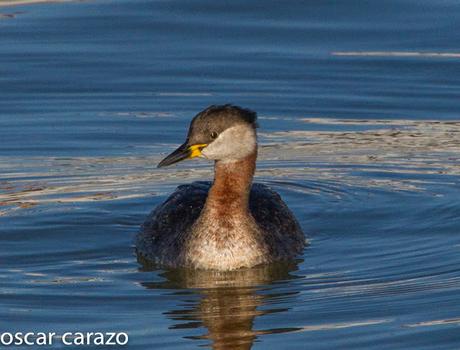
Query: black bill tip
[[181, 153]]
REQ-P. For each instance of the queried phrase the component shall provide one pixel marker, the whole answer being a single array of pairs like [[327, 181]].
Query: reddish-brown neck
[[232, 185]]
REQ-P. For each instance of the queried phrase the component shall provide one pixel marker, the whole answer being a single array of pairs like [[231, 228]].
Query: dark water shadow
[[229, 302]]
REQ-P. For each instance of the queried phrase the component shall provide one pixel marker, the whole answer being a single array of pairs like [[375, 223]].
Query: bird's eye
[[214, 134]]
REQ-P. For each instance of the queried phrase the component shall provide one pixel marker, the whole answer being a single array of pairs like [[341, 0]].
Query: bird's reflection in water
[[229, 301]]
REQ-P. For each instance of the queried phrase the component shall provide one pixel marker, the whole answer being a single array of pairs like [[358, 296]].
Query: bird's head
[[223, 133]]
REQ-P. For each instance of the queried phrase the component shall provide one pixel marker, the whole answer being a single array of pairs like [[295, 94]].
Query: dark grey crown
[[209, 123]]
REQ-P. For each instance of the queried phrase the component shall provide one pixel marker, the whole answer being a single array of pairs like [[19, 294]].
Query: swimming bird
[[230, 223]]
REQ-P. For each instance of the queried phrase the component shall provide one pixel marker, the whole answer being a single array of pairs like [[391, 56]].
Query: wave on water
[[397, 54], [411, 151]]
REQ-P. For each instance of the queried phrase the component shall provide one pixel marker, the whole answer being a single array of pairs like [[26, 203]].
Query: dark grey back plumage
[[168, 225]]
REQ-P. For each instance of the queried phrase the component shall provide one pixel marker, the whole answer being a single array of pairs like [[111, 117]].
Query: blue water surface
[[358, 105]]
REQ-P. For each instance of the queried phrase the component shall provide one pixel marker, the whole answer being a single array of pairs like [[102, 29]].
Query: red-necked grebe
[[231, 223]]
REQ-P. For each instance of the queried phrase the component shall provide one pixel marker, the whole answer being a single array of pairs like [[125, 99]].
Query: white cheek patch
[[236, 142]]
